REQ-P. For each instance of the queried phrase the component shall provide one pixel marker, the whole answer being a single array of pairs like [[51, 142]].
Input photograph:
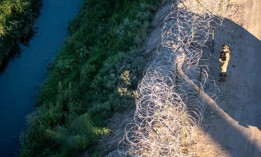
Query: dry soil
[[239, 96]]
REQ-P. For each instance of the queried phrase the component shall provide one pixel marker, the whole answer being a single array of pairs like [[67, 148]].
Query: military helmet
[[225, 47]]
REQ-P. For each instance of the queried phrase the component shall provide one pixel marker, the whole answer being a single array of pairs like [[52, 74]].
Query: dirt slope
[[240, 96]]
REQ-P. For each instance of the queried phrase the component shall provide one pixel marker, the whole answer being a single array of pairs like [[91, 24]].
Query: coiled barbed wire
[[168, 107]]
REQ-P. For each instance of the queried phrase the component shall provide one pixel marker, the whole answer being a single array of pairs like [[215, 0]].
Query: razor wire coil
[[168, 108]]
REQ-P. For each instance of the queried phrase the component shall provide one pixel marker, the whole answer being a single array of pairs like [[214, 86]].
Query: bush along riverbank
[[95, 75], [17, 18]]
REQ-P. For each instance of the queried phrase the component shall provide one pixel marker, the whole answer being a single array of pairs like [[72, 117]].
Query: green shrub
[[16, 23], [96, 74]]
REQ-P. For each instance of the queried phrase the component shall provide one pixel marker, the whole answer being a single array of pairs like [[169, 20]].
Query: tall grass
[[95, 75]]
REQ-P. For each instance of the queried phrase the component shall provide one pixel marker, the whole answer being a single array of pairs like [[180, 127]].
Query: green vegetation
[[95, 75], [16, 22]]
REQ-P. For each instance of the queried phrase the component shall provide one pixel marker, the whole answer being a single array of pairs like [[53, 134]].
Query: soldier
[[223, 60]]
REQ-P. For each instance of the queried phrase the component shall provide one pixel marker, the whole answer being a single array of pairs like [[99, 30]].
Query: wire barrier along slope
[[168, 107]]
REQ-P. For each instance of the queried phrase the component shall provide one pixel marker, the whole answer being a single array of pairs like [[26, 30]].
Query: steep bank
[[239, 97], [95, 75], [117, 123], [19, 83]]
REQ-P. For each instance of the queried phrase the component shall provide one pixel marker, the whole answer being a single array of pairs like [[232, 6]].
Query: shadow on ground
[[239, 96]]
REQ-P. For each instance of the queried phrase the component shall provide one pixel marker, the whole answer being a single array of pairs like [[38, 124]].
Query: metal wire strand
[[168, 108]]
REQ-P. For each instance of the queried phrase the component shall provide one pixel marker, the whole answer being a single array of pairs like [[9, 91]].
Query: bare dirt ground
[[239, 96]]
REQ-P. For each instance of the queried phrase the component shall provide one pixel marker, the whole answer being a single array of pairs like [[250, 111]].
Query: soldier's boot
[[223, 79], [225, 74]]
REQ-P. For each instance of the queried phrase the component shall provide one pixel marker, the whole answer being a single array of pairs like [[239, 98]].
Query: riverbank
[[17, 24], [95, 75], [20, 81]]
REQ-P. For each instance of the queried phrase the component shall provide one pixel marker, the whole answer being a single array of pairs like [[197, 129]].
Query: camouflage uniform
[[224, 59]]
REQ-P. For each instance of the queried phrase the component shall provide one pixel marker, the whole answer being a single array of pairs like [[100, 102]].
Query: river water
[[20, 80]]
